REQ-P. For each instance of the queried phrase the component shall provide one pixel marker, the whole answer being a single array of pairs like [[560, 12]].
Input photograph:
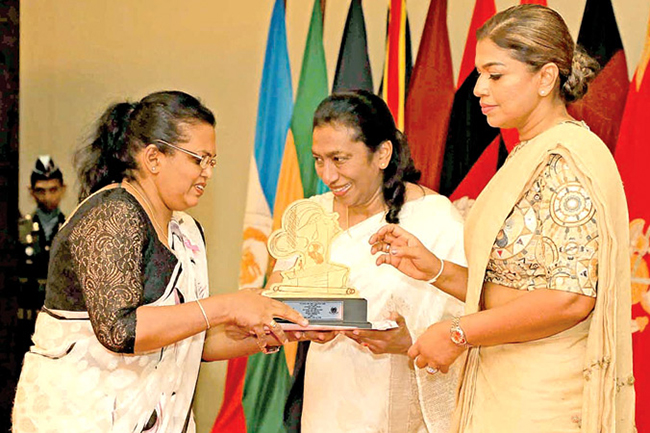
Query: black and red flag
[[469, 134], [602, 107], [482, 150]]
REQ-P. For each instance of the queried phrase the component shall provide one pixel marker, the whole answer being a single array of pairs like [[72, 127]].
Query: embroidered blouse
[[550, 239]]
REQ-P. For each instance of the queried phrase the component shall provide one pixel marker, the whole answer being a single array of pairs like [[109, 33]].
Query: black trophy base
[[330, 312]]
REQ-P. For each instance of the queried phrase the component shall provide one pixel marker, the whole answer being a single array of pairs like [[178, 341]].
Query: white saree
[[107, 391], [348, 388]]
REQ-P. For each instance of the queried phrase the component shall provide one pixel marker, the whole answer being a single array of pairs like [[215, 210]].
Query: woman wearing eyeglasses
[[117, 346]]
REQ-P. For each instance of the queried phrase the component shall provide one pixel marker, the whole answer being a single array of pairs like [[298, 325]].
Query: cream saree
[[585, 372]]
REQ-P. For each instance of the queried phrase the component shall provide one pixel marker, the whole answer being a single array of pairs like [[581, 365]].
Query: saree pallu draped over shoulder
[[577, 380], [72, 383]]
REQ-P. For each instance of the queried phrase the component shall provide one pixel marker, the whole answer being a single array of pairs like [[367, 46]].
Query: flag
[[273, 120], [468, 134], [430, 96], [602, 107], [312, 89], [399, 61], [256, 387], [298, 169], [483, 11], [632, 154], [483, 169], [353, 65]]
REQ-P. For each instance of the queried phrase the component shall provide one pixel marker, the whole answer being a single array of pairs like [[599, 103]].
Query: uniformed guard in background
[[36, 231]]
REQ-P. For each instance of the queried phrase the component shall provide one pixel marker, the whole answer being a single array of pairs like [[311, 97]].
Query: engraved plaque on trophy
[[314, 286]]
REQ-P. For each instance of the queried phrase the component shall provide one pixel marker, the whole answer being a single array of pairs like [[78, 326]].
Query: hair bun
[[583, 69]]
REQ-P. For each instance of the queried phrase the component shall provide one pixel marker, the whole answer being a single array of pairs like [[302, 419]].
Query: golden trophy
[[314, 286]]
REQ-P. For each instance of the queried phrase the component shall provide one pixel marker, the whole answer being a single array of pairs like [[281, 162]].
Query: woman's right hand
[[255, 314], [405, 252]]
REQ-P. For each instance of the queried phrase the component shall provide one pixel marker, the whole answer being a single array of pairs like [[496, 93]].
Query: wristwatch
[[457, 333]]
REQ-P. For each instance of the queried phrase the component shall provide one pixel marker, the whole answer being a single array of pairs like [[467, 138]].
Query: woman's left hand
[[396, 340], [435, 349]]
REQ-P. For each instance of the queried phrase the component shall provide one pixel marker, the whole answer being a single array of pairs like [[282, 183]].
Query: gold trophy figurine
[[314, 286]]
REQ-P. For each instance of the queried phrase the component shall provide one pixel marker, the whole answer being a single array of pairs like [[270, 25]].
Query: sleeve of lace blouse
[[107, 254]]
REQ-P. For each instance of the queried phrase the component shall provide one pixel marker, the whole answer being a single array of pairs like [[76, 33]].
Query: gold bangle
[[205, 316]]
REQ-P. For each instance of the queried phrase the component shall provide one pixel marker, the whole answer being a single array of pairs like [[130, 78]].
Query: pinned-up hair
[[537, 35], [125, 128]]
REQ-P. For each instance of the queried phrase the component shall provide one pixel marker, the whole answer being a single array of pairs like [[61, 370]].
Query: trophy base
[[326, 313]]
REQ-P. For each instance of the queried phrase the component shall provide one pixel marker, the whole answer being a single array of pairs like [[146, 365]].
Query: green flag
[[312, 89]]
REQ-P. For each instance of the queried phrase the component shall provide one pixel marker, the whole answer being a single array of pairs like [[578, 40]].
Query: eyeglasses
[[204, 161]]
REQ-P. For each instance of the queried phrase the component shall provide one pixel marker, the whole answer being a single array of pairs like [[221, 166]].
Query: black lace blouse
[[107, 260]]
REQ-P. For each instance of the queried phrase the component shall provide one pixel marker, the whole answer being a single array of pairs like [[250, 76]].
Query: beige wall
[[79, 56]]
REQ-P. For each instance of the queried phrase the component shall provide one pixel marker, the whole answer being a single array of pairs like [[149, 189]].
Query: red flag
[[602, 107], [632, 156], [431, 94], [231, 417], [483, 11]]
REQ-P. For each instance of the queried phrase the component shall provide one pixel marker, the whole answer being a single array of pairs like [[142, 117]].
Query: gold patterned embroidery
[[599, 364], [550, 239], [627, 381]]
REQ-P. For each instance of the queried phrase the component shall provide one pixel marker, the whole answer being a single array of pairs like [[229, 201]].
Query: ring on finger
[[431, 370], [387, 247], [273, 324]]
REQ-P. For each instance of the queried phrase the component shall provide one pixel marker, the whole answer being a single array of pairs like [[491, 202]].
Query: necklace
[[148, 209]]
